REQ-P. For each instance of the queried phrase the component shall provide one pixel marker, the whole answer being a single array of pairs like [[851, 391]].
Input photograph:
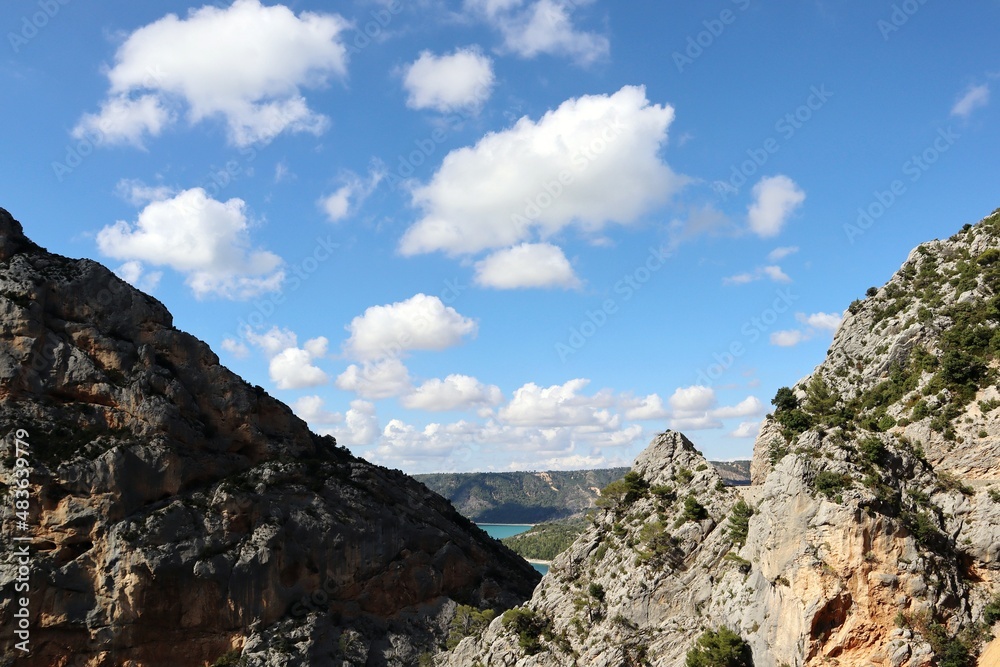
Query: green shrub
[[720, 648], [784, 400], [467, 622], [596, 591], [693, 510], [873, 451], [739, 522], [528, 625], [623, 492], [233, 658], [831, 484], [683, 476]]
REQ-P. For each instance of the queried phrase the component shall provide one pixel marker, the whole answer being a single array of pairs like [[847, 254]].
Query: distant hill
[[535, 497]]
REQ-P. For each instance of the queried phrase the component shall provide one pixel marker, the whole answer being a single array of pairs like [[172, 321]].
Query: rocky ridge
[[180, 515], [871, 534]]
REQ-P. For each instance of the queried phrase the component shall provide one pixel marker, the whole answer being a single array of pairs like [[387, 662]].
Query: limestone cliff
[[179, 514], [871, 535]]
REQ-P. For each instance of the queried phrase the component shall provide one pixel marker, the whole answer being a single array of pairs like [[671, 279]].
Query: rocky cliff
[[871, 535], [178, 515]]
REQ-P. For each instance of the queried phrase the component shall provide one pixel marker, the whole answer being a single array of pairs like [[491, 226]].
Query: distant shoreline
[[546, 563], [479, 523]]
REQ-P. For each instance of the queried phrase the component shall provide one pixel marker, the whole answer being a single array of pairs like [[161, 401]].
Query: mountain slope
[[859, 543], [178, 513], [532, 497]]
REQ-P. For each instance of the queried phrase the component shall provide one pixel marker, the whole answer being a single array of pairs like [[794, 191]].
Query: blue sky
[[503, 234]]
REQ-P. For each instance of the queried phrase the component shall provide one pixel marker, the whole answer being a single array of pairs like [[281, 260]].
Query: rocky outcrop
[[870, 536], [178, 513]]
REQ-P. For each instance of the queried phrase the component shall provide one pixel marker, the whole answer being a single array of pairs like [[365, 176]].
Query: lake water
[[502, 530]]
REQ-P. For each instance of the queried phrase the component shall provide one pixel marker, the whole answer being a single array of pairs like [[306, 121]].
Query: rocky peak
[[180, 515], [871, 535]]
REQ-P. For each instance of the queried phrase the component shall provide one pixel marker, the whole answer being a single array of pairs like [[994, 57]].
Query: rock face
[[874, 539], [178, 513]]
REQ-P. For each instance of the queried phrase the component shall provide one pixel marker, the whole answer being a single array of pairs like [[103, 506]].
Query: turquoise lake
[[502, 530]]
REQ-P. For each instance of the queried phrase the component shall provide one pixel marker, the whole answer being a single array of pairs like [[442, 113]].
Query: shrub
[[720, 648], [467, 622], [872, 451], [739, 522], [233, 658], [784, 400], [693, 510], [596, 591], [528, 626], [683, 476], [831, 484], [623, 492]]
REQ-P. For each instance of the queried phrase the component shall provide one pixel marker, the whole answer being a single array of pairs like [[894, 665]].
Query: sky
[[466, 235]]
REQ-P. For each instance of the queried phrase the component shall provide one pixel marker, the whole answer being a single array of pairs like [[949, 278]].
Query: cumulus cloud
[[823, 321], [312, 409], [773, 273], [560, 405], [419, 323], [788, 338], [235, 348], [525, 266], [376, 379], [360, 427], [745, 430], [455, 392], [206, 240], [592, 162], [779, 254], [461, 80], [544, 26], [775, 199], [246, 63], [696, 398], [291, 366], [346, 199], [645, 409], [976, 97], [748, 407], [135, 274]]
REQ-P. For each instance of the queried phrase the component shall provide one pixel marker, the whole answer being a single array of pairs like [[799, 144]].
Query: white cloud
[[137, 193], [235, 348], [692, 399], [134, 273], [461, 80], [312, 410], [746, 430], [748, 407], [455, 392], [591, 162], [788, 338], [346, 199], [543, 26], [419, 323], [779, 254], [123, 120], [560, 405], [205, 239], [290, 366], [360, 427], [376, 379], [293, 367], [773, 273], [775, 199], [976, 97], [246, 63], [644, 409], [823, 321], [525, 266]]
